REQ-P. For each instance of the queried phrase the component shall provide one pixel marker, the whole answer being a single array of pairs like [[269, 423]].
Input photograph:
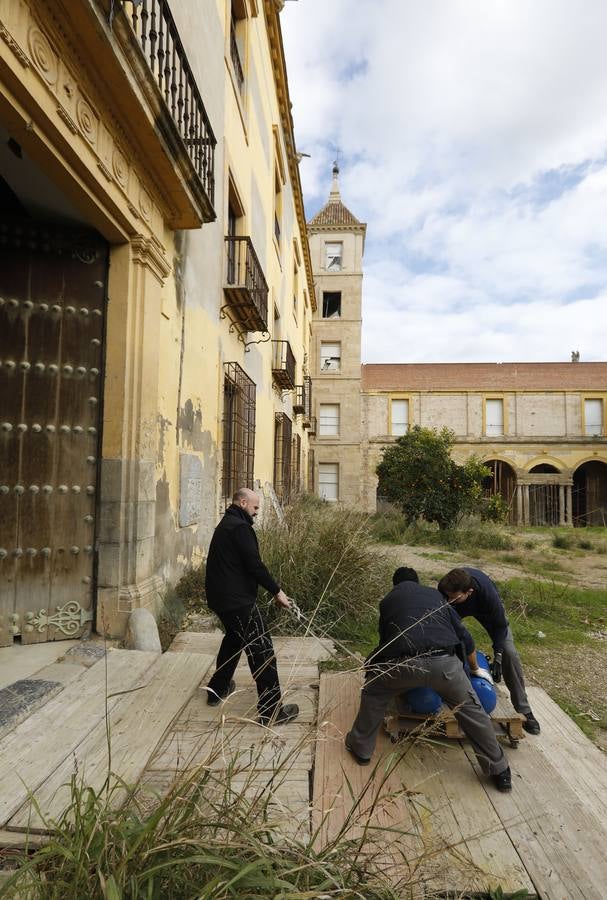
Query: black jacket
[[486, 605], [414, 620], [234, 566]]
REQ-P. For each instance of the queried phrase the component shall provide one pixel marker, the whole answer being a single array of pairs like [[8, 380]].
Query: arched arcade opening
[[501, 482], [590, 494]]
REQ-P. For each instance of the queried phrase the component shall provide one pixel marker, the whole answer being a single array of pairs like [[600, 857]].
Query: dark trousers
[[246, 630]]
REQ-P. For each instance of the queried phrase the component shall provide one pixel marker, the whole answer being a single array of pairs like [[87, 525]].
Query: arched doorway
[[544, 497], [502, 482], [590, 494]]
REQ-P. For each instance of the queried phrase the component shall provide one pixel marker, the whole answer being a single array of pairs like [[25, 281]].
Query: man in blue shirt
[[472, 593]]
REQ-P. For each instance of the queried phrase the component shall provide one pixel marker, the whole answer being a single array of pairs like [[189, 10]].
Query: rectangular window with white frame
[[334, 253], [328, 424], [330, 357], [399, 417], [328, 481], [494, 417], [593, 416]]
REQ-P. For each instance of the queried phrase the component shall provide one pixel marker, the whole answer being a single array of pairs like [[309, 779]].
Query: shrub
[[494, 509], [325, 560], [418, 474], [562, 540]]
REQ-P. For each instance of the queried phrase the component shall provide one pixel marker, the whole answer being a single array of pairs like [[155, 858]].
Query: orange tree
[[418, 474]]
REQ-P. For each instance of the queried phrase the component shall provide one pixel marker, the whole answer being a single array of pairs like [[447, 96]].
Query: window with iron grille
[[283, 429], [310, 471], [238, 430], [296, 465]]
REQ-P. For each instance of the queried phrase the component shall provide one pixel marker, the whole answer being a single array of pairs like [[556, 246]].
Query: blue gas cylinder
[[423, 700], [482, 660], [485, 692]]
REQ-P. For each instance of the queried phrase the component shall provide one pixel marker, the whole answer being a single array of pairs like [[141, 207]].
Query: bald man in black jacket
[[233, 572], [420, 636]]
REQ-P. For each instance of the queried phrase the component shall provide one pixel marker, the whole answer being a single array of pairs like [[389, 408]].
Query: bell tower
[[337, 243]]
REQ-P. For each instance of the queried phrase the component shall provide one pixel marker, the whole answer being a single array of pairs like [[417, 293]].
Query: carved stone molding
[[148, 252], [104, 148], [15, 47]]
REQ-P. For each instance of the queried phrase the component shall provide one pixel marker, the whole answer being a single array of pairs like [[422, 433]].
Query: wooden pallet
[[506, 721]]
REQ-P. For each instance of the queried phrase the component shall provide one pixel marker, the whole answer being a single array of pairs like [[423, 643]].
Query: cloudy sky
[[473, 141]]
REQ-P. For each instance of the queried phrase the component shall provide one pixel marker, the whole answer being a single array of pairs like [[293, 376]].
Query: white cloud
[[473, 140]]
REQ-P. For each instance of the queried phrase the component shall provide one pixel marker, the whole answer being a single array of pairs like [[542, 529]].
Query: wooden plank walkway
[[435, 830], [134, 726], [461, 836], [41, 743], [228, 739]]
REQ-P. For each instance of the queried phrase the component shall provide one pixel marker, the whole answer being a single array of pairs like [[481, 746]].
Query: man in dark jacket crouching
[[419, 639], [234, 570]]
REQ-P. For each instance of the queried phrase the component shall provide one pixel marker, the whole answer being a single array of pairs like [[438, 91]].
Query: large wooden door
[[52, 308]]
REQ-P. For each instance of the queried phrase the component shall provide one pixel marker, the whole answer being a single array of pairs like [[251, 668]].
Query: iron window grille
[[296, 465], [283, 430], [311, 471], [238, 430]]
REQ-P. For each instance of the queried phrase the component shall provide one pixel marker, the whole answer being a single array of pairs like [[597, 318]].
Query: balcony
[[183, 124], [303, 400], [283, 365], [312, 426], [245, 287]]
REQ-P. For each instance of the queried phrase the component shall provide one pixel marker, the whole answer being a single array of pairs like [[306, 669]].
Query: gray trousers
[[445, 675], [512, 672]]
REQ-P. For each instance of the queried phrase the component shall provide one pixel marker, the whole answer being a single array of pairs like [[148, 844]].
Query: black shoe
[[214, 699], [503, 781], [361, 760], [531, 724], [285, 714]]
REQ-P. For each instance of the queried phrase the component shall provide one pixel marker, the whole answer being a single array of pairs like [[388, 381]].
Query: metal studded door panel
[[52, 290]]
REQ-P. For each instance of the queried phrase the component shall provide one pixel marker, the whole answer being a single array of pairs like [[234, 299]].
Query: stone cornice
[[148, 252]]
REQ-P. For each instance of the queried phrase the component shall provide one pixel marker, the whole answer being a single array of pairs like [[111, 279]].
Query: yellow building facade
[[156, 297]]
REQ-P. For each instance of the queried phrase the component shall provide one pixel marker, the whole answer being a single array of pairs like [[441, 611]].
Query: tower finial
[[335, 195]]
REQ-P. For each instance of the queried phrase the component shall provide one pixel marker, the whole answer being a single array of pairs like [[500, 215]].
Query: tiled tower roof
[[334, 214]]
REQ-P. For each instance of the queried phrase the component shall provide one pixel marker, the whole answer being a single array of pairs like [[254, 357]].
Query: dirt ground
[[575, 677]]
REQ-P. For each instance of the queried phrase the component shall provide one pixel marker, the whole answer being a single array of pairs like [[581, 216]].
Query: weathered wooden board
[[578, 761], [450, 838], [561, 842], [242, 704], [137, 723], [221, 744], [36, 747]]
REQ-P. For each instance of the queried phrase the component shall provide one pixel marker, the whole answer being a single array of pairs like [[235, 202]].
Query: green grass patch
[[389, 527], [564, 614]]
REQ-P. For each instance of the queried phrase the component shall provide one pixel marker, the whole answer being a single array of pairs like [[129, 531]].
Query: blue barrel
[[423, 700], [485, 692], [483, 662]]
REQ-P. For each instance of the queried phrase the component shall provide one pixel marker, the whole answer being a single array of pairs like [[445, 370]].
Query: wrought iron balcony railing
[[245, 286], [157, 35], [312, 426], [303, 400], [283, 365]]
